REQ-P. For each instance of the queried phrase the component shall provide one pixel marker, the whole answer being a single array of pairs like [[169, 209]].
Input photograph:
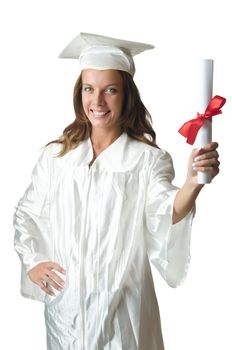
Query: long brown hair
[[135, 120]]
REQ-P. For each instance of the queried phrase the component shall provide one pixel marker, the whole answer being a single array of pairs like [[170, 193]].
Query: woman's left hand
[[204, 160]]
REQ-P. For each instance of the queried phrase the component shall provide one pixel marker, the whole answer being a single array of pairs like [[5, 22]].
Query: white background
[[36, 105]]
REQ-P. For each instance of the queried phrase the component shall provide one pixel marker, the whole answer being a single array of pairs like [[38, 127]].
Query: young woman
[[101, 208]]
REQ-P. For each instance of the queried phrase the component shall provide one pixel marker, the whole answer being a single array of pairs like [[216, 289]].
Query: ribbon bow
[[191, 128]]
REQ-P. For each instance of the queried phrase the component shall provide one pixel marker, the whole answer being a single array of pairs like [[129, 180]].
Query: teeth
[[100, 113]]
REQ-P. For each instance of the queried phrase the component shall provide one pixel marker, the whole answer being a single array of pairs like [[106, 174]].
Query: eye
[[87, 89], [111, 90]]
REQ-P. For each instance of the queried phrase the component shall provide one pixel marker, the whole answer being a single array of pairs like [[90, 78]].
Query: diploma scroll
[[204, 95], [198, 131]]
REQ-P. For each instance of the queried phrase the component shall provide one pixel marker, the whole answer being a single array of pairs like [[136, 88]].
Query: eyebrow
[[115, 84]]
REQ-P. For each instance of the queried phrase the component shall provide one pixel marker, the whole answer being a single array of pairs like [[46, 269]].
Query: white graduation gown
[[104, 225]]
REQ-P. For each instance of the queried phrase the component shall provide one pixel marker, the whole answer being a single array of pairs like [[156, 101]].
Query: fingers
[[52, 279], [208, 169], [57, 267], [45, 277], [207, 155], [206, 159], [53, 276], [209, 147], [44, 287]]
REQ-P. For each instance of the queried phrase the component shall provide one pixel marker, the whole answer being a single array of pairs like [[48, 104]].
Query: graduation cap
[[102, 52]]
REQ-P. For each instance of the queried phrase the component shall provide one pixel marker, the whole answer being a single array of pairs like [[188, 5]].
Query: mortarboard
[[102, 52]]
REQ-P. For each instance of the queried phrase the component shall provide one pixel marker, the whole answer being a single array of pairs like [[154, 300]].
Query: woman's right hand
[[44, 276]]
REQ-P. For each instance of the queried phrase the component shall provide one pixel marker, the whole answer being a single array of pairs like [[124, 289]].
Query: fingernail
[[194, 166], [196, 159]]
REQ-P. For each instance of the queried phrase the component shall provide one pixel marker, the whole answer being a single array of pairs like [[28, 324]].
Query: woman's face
[[102, 97]]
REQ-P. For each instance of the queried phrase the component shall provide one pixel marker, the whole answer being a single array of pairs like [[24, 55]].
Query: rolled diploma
[[204, 95]]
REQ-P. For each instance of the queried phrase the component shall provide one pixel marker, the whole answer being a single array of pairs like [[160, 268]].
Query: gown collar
[[112, 156], [121, 156]]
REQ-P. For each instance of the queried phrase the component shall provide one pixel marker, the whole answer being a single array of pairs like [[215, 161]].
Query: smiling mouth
[[98, 114]]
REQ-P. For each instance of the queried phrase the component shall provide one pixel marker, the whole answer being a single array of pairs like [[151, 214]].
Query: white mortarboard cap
[[102, 52]]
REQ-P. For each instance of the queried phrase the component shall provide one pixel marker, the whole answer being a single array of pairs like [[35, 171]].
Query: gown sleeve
[[32, 240], [168, 245]]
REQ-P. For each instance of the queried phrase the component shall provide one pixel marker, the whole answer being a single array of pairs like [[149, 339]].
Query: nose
[[98, 98]]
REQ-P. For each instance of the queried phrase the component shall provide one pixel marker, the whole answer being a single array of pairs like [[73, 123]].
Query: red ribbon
[[191, 128]]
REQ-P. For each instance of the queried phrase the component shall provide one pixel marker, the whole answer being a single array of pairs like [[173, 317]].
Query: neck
[[102, 138]]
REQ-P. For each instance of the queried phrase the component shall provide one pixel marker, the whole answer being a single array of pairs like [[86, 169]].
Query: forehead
[[104, 77]]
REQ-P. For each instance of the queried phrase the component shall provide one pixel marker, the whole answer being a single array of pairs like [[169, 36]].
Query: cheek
[[117, 103], [120, 105]]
